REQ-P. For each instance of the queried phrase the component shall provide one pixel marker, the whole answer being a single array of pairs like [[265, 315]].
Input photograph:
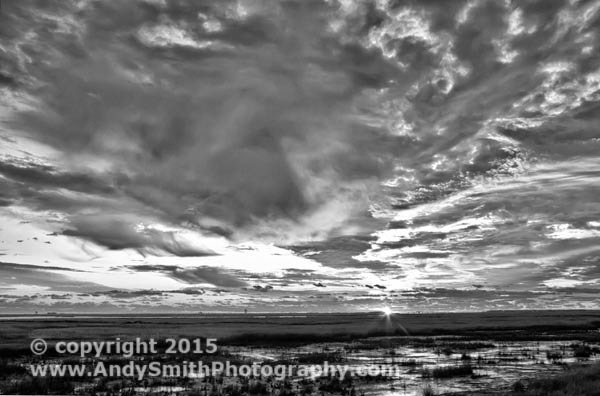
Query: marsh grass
[[428, 390], [579, 381]]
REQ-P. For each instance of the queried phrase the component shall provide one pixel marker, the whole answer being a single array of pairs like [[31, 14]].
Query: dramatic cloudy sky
[[293, 155]]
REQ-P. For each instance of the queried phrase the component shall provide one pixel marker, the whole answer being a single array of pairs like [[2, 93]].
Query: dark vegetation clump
[[9, 369], [582, 351], [449, 371]]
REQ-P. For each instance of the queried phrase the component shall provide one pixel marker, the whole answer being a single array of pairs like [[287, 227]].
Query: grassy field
[[272, 329]]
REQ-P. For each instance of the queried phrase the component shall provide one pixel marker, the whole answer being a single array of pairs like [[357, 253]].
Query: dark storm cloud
[[279, 121], [217, 138], [211, 275], [243, 131]]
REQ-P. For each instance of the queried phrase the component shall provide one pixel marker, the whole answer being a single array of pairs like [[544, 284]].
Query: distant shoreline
[[294, 313]]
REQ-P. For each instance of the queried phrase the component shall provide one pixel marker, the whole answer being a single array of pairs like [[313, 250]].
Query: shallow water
[[497, 366]]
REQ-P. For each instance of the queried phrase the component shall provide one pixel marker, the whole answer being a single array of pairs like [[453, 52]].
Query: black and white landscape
[[372, 162]]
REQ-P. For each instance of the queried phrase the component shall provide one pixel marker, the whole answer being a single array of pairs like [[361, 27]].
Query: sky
[[321, 155]]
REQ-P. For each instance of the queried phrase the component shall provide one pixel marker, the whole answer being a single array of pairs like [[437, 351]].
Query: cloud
[[339, 252], [252, 135], [213, 276], [122, 232], [129, 293], [27, 267], [47, 277], [408, 143], [44, 176]]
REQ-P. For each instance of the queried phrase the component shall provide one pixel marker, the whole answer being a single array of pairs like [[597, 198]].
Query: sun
[[387, 311]]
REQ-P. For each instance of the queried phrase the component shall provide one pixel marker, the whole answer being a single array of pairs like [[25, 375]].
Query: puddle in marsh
[[448, 364]]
